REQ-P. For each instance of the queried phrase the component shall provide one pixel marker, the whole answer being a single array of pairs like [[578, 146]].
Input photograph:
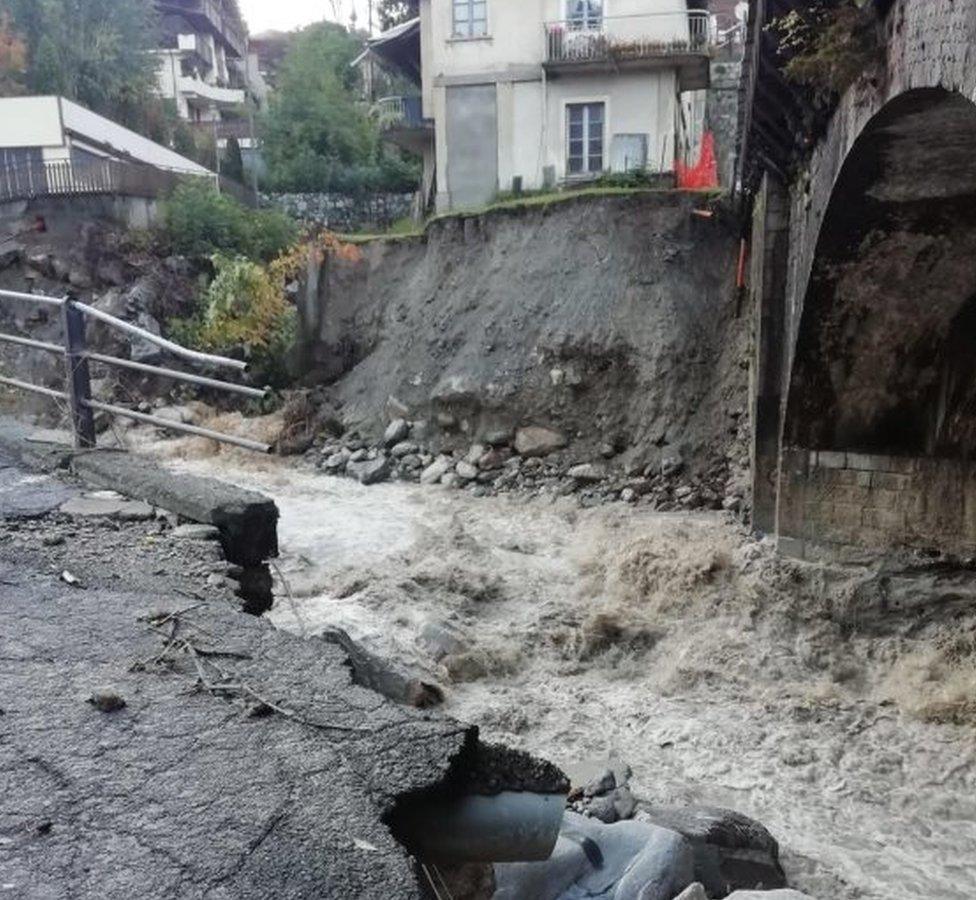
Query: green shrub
[[827, 46], [197, 221], [243, 312]]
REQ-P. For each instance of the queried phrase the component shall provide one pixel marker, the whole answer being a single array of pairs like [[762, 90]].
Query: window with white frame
[[470, 18], [584, 14], [584, 136]]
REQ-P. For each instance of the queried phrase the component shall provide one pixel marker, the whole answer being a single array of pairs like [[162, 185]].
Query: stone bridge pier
[[863, 280]]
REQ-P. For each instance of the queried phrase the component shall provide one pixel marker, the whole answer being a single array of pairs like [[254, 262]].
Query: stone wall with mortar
[[722, 116], [831, 499], [345, 212]]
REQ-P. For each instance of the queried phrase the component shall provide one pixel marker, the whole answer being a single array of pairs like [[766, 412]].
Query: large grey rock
[[370, 471], [441, 639], [537, 441], [10, 253], [142, 350], [732, 851], [395, 432], [625, 861], [436, 470], [335, 462], [403, 448], [588, 473], [465, 471]]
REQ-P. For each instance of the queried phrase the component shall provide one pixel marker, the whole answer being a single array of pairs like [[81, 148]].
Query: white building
[[40, 133], [544, 92], [203, 61]]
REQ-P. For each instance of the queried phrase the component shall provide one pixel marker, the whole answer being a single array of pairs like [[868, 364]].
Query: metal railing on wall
[[67, 178], [77, 392]]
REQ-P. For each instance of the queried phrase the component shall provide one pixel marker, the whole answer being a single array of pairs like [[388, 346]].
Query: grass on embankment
[[405, 228]]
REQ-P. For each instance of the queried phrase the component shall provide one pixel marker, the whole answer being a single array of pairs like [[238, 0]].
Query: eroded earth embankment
[[612, 320]]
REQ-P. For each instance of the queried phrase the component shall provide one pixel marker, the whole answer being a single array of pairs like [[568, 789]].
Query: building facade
[[52, 131], [541, 93], [203, 63]]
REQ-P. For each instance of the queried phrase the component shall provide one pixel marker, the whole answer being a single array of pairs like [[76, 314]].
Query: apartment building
[[539, 93], [203, 63]]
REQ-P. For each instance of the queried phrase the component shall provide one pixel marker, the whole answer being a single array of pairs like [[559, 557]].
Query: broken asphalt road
[[244, 763]]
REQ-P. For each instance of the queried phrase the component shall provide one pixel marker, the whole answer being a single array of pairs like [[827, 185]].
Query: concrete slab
[[247, 520], [110, 507]]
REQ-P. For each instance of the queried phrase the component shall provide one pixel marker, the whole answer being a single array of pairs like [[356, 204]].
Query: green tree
[[314, 125], [92, 51], [396, 12], [318, 134]]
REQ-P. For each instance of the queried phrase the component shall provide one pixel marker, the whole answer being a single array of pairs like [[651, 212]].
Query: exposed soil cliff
[[611, 319]]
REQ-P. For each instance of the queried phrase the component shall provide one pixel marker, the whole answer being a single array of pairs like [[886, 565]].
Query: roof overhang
[[398, 48]]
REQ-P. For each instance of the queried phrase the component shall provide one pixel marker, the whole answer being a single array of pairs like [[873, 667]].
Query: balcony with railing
[[197, 89], [70, 178], [399, 112], [594, 42], [401, 120]]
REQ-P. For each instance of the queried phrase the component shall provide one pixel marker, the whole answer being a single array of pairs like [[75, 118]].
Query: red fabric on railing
[[704, 173]]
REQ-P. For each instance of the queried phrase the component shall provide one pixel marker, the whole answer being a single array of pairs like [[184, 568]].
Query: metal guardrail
[[629, 38], [78, 378]]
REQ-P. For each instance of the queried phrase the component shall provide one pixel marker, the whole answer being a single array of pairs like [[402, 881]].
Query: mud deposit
[[832, 705]]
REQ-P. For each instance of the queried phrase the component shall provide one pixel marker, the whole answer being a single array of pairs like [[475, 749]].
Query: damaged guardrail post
[[78, 395], [79, 378]]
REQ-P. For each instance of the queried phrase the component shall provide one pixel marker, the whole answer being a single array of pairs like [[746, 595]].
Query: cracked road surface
[[244, 763]]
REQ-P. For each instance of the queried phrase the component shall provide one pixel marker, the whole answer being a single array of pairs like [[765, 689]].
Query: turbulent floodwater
[[721, 674]]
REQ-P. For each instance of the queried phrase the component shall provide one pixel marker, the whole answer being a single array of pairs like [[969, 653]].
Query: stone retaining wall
[[830, 500], [345, 212]]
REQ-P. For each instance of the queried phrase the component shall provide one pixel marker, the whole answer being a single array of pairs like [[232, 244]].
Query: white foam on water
[[674, 641]]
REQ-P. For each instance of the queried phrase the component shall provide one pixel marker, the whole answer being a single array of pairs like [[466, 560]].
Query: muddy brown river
[[675, 642]]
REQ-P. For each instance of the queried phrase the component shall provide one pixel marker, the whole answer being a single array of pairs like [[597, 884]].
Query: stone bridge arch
[[865, 412]]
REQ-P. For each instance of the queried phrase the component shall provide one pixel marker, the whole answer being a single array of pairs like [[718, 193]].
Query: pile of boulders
[[606, 797], [532, 460]]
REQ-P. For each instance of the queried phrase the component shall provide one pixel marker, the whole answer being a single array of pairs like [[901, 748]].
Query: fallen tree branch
[[225, 684]]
